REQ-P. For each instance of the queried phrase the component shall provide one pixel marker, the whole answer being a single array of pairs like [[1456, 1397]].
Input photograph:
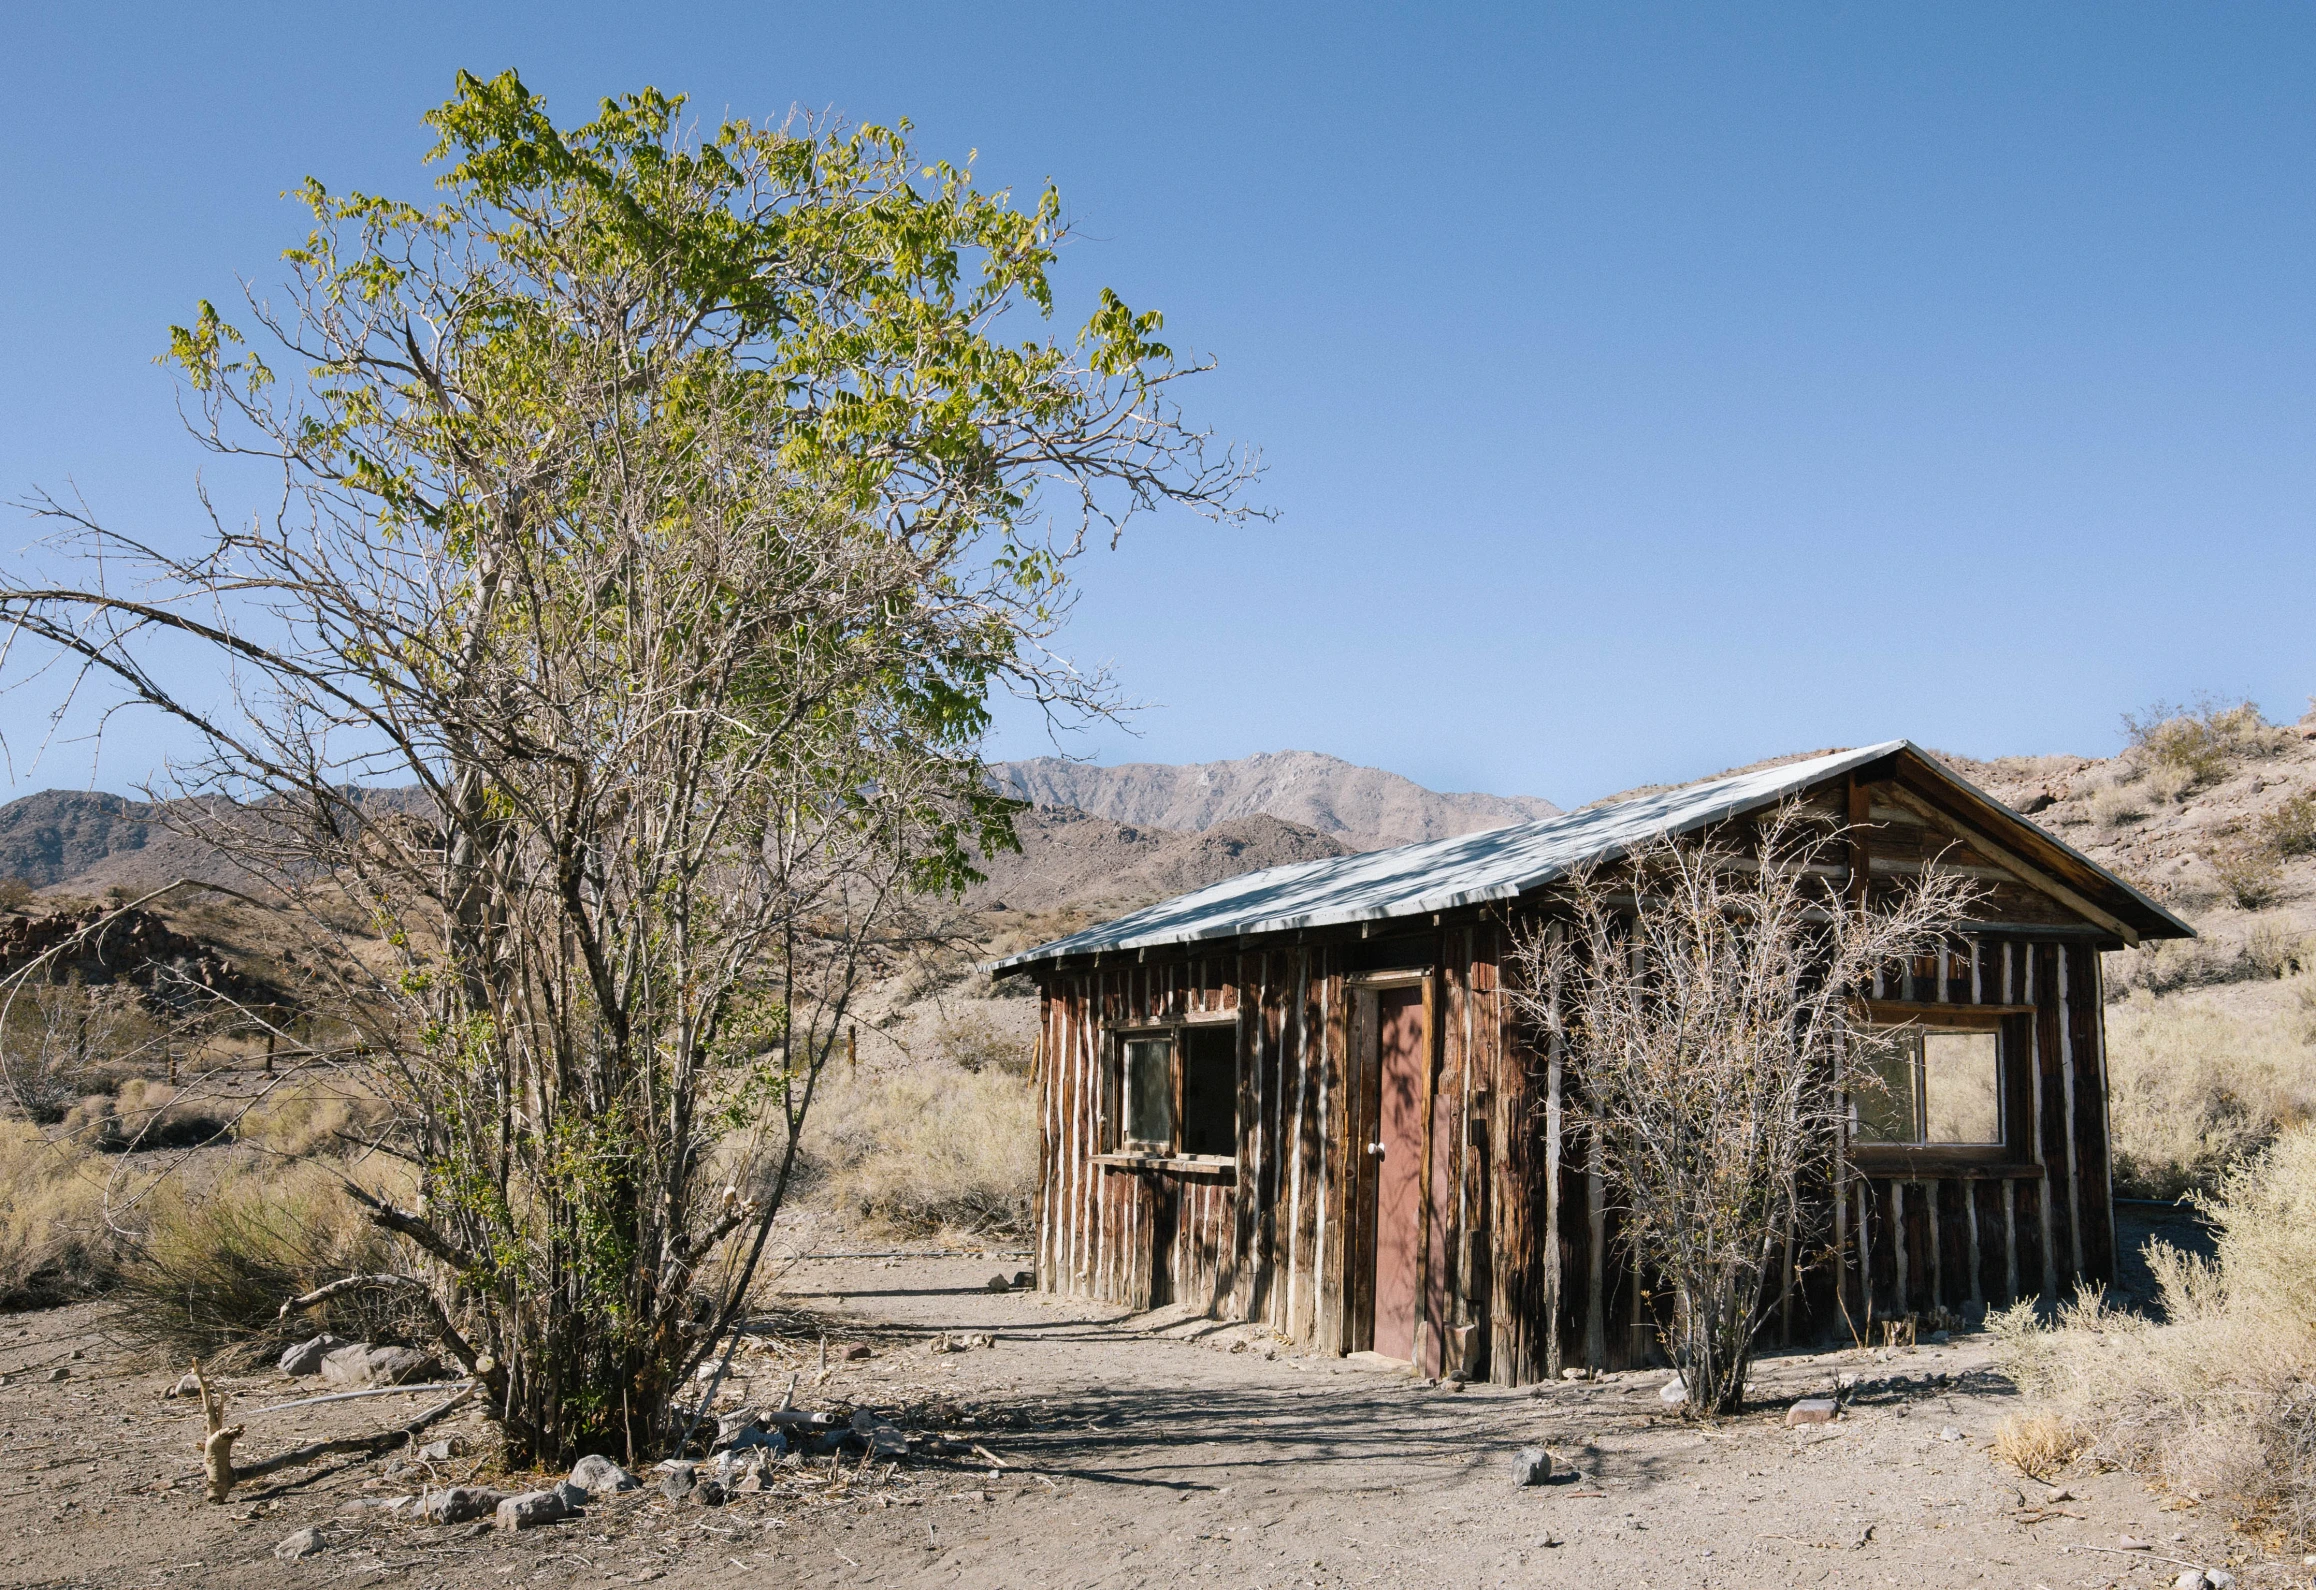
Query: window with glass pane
[[1210, 1091], [1150, 1092], [1930, 1088]]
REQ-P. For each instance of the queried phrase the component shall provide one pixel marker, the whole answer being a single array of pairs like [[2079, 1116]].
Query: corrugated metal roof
[[1499, 864], [1441, 874]]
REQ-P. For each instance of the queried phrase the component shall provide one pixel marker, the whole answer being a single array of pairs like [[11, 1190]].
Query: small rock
[[457, 1504], [998, 1283], [57, 1374], [1673, 1392], [306, 1357], [77, 1353], [1023, 1280], [305, 1543], [2190, 1579], [531, 1509], [186, 1386], [1572, 1372], [709, 1493], [596, 1473], [442, 1451], [856, 1352], [1811, 1410], [679, 1483], [2219, 1579], [1846, 1381], [887, 1441], [1531, 1465], [2133, 1543]]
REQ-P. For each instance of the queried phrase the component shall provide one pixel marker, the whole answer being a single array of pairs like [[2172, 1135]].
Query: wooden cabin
[[1300, 1097]]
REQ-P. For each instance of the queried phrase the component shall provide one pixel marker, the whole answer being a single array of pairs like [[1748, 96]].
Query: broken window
[[1210, 1090], [1179, 1087], [1918, 1087]]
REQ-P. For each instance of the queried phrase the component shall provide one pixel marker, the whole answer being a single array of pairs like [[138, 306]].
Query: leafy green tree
[[661, 508]]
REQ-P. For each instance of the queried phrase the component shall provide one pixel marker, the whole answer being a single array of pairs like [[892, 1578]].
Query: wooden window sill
[[1180, 1165], [1898, 1165]]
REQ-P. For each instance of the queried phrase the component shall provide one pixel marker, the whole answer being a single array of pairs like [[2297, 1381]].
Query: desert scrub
[[2193, 1091], [214, 1265], [2114, 805], [2202, 741], [2289, 828], [299, 1119], [54, 1245], [930, 1150], [2218, 1402]]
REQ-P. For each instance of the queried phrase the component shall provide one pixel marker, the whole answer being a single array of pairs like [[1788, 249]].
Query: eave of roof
[[1504, 863]]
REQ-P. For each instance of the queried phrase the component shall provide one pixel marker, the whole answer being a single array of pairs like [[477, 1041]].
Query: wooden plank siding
[[1521, 1268]]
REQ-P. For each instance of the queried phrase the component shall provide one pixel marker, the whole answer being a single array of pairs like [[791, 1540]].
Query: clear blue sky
[[1644, 389]]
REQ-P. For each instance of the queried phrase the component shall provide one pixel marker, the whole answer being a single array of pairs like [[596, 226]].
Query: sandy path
[[1137, 1452]]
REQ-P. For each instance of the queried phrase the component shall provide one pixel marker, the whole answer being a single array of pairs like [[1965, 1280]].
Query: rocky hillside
[[1364, 807], [1071, 859]]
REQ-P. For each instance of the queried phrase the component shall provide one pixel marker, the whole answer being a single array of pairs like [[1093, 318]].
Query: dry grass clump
[[2193, 1091], [302, 1118], [931, 1150], [2289, 828], [2038, 1445], [2113, 805], [973, 1042], [215, 1265], [2201, 741], [2219, 1402], [53, 1242]]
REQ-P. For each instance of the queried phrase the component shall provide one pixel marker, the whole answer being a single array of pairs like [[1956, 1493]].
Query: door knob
[[1376, 1149]]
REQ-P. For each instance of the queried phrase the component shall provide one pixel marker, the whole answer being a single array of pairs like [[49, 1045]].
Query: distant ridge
[[1363, 807]]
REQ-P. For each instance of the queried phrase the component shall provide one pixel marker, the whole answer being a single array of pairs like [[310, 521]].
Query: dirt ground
[[1119, 1451]]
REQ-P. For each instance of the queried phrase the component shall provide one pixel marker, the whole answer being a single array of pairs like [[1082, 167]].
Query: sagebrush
[[2217, 1401]]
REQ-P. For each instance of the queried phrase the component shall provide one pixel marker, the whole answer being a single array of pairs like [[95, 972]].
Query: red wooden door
[[1401, 1049]]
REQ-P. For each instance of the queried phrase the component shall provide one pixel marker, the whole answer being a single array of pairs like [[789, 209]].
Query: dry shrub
[[146, 1115], [2165, 966], [2249, 872], [215, 1265], [2289, 828], [973, 1042], [2218, 1402], [53, 1242], [931, 1150], [2193, 1090], [2113, 805], [2279, 950], [2203, 740], [309, 1117], [2038, 1445]]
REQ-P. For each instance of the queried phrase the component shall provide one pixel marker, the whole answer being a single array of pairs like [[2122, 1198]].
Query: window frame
[[2014, 1081], [1115, 1143]]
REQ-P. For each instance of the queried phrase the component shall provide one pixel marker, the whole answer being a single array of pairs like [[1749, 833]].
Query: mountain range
[[1363, 807]]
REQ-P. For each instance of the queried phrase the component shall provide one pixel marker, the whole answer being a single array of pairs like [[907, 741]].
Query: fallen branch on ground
[[217, 1441]]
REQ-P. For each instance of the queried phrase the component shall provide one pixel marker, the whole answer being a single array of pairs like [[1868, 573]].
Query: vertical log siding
[[1520, 1269]]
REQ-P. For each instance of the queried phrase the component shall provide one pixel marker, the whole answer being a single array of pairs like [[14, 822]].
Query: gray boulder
[[459, 1503], [532, 1509], [678, 1482], [596, 1474], [574, 1496], [1531, 1465], [361, 1365], [306, 1357]]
